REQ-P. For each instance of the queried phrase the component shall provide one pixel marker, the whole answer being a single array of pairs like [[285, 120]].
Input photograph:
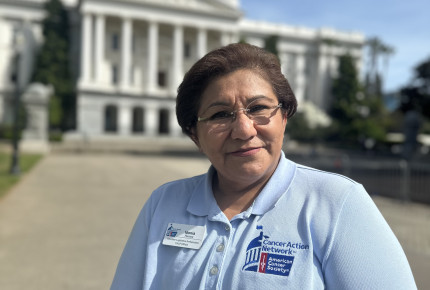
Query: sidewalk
[[65, 224]]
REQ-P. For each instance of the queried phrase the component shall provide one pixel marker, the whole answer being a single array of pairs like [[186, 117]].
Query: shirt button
[[227, 228], [220, 248], [214, 270]]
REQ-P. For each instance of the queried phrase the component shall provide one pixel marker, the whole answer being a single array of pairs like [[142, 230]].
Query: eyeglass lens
[[220, 118]]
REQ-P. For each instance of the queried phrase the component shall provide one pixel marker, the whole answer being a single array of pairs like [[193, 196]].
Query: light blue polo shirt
[[307, 229]]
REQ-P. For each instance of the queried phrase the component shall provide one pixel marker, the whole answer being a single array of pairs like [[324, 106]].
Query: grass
[[27, 161]]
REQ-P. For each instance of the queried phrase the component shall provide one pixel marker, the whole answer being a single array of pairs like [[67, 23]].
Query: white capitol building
[[129, 56]]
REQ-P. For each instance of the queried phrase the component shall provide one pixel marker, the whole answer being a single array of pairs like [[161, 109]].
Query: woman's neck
[[233, 196]]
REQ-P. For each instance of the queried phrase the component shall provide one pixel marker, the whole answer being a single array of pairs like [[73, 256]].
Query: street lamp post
[[15, 168]]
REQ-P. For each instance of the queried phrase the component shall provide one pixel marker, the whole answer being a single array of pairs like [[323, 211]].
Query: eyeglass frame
[[233, 114]]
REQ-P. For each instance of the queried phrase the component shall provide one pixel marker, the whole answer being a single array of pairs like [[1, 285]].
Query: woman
[[256, 220]]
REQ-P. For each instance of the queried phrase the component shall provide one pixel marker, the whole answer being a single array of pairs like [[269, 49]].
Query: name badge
[[184, 236]]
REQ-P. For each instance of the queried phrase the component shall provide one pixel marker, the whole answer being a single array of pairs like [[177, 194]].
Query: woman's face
[[245, 151]]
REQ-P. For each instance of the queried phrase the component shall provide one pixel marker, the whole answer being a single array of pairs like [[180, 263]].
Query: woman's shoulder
[[178, 191], [325, 187], [317, 177], [180, 187]]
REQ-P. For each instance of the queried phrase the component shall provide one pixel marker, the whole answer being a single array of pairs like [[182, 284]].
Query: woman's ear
[[284, 120], [194, 137]]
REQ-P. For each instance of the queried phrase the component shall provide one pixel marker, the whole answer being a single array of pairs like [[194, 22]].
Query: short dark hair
[[220, 62]]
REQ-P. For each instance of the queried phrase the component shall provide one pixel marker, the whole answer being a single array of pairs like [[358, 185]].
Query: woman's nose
[[242, 127]]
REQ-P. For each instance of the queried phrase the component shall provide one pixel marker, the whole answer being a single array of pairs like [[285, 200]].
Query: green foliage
[[425, 127], [378, 53], [55, 112], [329, 41], [242, 40], [416, 96], [271, 44], [422, 71], [357, 116], [52, 63], [299, 129], [345, 90], [7, 130], [55, 136], [27, 161]]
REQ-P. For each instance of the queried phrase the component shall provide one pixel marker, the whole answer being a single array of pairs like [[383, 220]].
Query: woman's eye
[[257, 108], [220, 115]]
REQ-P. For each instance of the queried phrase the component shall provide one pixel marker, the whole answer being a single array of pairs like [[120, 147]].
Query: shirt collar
[[277, 185], [203, 203]]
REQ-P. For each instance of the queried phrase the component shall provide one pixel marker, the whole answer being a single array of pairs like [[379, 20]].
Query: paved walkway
[[65, 224]]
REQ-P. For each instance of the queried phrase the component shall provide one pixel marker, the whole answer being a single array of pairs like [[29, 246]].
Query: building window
[[111, 116], [115, 42], [187, 50], [115, 74], [163, 124], [138, 120], [162, 79], [14, 73]]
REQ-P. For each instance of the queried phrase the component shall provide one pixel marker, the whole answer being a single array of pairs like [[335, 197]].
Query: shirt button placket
[[214, 270]]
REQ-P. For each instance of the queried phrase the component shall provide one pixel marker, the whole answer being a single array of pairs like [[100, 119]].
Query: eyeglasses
[[220, 118]]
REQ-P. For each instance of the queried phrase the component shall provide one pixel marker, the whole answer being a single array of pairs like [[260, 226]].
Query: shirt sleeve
[[364, 253], [131, 266]]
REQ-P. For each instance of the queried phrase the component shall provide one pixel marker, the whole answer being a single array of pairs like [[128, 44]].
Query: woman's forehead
[[241, 86]]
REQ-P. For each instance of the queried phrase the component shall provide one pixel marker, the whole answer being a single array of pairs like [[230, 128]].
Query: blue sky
[[404, 25]]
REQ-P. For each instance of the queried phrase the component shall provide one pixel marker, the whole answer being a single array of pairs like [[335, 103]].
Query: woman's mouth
[[246, 152]]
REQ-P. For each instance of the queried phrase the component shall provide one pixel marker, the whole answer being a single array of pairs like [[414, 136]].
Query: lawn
[[27, 161]]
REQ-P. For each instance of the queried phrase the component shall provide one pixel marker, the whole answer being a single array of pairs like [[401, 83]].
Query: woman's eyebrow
[[219, 103], [227, 104], [258, 97]]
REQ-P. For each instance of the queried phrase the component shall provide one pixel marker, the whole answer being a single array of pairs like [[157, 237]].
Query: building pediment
[[221, 8]]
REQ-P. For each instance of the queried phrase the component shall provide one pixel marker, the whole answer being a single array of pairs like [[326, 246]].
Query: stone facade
[[130, 56]]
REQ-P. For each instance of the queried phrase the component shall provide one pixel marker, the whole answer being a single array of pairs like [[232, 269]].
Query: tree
[[416, 96], [52, 65], [271, 44], [374, 76], [242, 40], [357, 117]]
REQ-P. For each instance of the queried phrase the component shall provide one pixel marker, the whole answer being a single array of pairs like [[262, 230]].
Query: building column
[[86, 40], [152, 56], [235, 38], [202, 42], [321, 79], [175, 129], [126, 53], [178, 57], [283, 58], [124, 119], [225, 38], [90, 116], [151, 121], [300, 77], [99, 47]]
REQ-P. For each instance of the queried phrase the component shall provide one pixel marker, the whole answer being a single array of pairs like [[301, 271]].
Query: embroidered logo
[[171, 231], [271, 257]]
